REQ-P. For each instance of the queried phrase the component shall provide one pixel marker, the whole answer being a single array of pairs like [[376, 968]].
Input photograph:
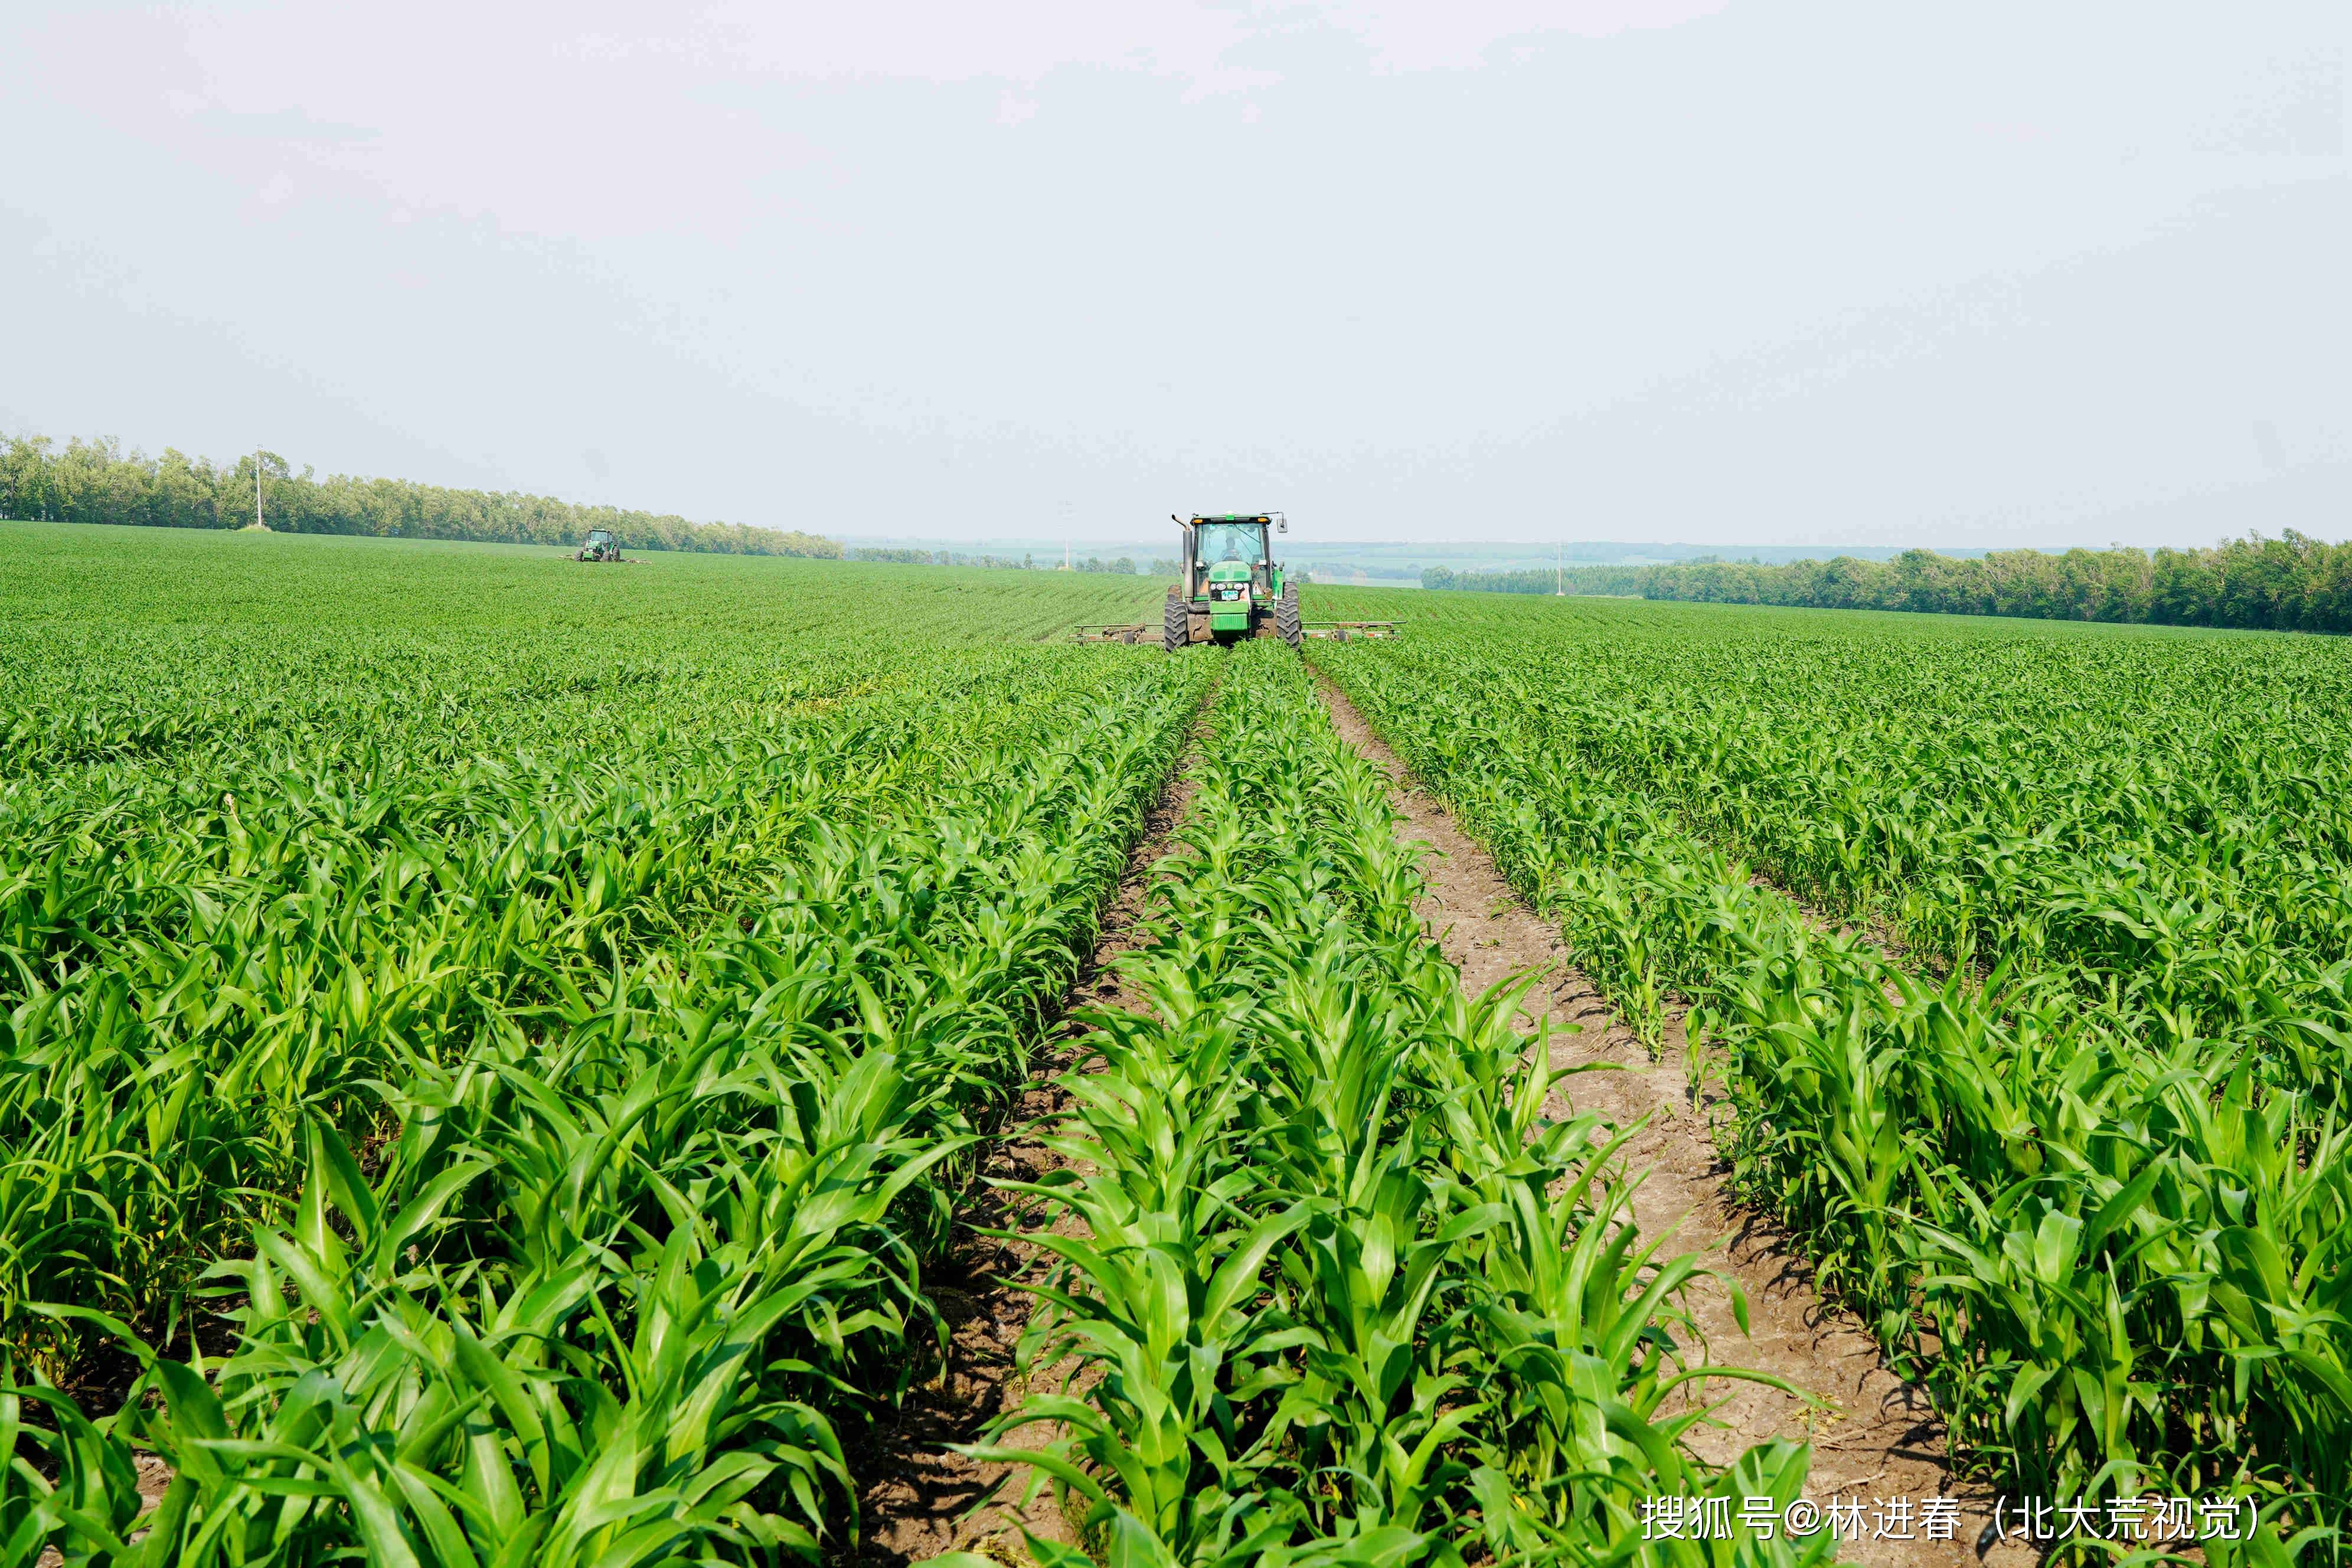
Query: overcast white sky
[[1706, 270]]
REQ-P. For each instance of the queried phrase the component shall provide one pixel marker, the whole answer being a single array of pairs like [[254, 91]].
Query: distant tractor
[[602, 546], [1232, 588]]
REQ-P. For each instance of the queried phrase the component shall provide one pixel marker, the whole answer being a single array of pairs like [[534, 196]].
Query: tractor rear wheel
[[1174, 630], [1287, 624]]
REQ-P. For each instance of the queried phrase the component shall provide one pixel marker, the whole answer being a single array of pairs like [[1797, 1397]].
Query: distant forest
[[2289, 584], [96, 481]]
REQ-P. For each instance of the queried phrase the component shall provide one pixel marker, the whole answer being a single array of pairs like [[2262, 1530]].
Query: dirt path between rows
[[1877, 1437], [915, 1498]]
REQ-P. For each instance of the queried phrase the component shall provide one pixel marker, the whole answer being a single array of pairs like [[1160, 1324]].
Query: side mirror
[[1282, 525]]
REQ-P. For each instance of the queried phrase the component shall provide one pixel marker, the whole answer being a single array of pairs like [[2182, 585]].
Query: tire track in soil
[[914, 1494], [1877, 1437]]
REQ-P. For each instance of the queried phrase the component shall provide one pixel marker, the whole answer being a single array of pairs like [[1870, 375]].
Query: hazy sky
[[1637, 269]]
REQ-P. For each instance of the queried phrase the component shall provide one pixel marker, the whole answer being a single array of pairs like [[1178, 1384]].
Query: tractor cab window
[[1240, 542]]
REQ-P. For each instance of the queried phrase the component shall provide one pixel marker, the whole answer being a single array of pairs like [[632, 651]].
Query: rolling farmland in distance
[[727, 1060]]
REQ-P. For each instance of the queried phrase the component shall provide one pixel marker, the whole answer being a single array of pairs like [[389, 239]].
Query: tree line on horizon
[[2293, 582], [96, 481]]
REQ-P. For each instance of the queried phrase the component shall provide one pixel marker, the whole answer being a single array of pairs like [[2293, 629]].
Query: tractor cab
[[1228, 556], [1232, 586]]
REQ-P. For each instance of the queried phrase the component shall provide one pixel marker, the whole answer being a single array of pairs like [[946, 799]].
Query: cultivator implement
[[1347, 631], [1337, 631]]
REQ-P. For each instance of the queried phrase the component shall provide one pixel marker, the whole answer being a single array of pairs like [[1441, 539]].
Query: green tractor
[[1232, 588], [602, 546]]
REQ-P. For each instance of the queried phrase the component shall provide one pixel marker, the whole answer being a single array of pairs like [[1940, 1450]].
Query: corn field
[[541, 1037], [495, 1049], [2081, 1154], [1341, 1292]]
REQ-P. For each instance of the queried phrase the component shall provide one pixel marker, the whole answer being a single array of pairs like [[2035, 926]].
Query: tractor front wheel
[[1287, 623]]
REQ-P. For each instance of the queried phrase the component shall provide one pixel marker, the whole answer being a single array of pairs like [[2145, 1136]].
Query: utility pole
[[257, 488], [1065, 555]]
